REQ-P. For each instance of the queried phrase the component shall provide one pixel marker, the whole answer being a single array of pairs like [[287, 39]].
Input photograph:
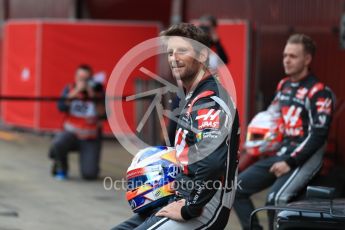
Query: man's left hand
[[172, 210], [280, 168]]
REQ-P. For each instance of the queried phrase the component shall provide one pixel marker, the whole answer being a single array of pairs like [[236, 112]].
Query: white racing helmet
[[264, 134]]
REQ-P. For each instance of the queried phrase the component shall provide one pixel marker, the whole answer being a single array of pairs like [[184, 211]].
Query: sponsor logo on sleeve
[[324, 105], [208, 119]]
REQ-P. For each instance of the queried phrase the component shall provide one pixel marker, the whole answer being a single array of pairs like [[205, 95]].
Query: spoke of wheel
[[148, 112], [163, 125], [172, 87], [161, 90]]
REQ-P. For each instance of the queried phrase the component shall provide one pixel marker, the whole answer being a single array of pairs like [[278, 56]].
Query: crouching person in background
[[83, 105]]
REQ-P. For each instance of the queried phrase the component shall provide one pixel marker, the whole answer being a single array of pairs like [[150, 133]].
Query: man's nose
[[174, 59], [174, 56]]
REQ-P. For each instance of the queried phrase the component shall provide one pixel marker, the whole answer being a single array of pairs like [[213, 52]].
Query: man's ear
[[308, 59], [203, 55]]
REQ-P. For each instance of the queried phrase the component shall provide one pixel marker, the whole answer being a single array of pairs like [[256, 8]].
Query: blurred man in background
[[208, 23], [306, 107], [83, 105]]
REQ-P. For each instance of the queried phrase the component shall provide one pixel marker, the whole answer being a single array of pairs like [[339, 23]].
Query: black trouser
[[152, 222], [137, 221], [213, 217], [90, 151], [253, 180]]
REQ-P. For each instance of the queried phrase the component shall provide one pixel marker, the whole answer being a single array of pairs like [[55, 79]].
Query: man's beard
[[187, 76]]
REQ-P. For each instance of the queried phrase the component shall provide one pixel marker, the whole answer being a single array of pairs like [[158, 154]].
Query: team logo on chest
[[301, 93], [292, 121], [208, 119]]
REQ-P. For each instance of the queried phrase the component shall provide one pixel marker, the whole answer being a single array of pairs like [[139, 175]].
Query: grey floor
[[31, 199]]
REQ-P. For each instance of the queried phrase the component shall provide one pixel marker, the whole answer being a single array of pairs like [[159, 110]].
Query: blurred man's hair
[[86, 67], [190, 31], [308, 44], [210, 18]]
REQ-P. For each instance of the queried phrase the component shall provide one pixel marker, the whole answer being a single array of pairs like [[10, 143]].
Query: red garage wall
[[19, 73], [234, 38], [52, 51], [1, 54]]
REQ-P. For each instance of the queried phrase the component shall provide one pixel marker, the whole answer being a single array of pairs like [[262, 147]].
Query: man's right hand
[[81, 85], [280, 168]]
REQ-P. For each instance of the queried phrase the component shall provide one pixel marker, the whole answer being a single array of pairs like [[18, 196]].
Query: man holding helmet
[[206, 142], [306, 107]]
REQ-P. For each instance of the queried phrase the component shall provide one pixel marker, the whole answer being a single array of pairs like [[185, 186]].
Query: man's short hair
[[86, 67], [188, 30], [308, 44]]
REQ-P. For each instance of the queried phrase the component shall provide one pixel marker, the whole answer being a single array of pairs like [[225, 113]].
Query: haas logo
[[293, 121], [324, 105], [208, 119]]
